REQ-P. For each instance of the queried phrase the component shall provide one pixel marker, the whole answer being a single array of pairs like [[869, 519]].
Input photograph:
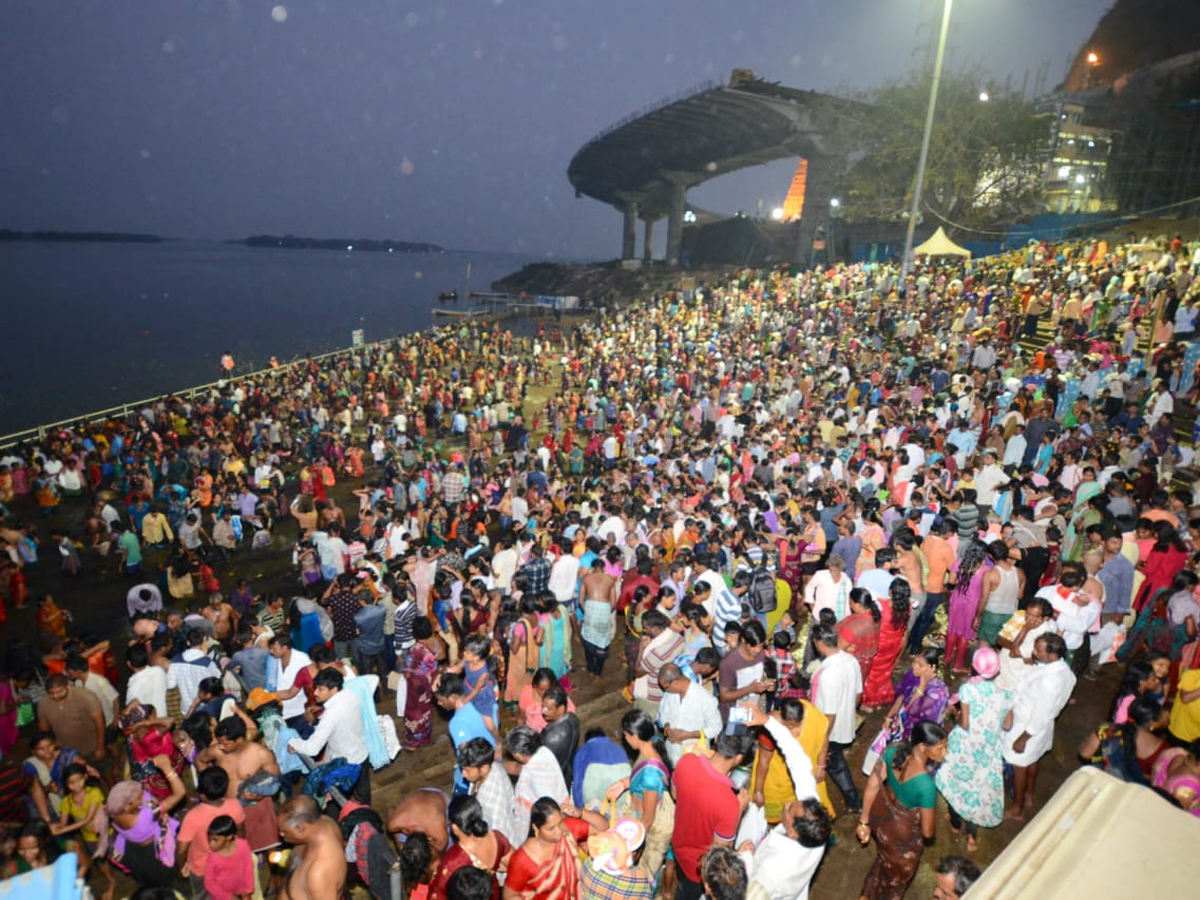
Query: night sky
[[445, 121]]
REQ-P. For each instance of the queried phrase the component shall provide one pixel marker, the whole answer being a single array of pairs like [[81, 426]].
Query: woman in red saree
[[474, 845], [877, 688], [547, 865], [858, 633]]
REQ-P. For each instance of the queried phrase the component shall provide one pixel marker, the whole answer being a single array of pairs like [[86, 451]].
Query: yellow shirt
[[156, 529], [1185, 717], [91, 797]]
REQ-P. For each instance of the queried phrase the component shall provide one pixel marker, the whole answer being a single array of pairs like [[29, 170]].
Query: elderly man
[[687, 711], [538, 774], [1029, 726], [1017, 639], [829, 589], [319, 866], [424, 811]]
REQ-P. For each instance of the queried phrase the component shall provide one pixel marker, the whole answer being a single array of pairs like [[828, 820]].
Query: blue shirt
[[253, 663], [1117, 577], [465, 725], [369, 623]]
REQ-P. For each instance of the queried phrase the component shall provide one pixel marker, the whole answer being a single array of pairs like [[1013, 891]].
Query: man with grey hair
[[687, 711], [829, 588]]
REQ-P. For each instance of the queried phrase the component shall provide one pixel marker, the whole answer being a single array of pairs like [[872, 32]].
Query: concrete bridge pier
[[675, 223], [822, 173], [629, 232]]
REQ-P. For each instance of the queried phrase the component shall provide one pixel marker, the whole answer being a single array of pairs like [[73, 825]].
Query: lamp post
[[907, 263], [834, 205]]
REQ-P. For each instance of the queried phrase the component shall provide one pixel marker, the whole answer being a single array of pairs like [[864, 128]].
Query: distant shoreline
[[291, 242], [81, 237]]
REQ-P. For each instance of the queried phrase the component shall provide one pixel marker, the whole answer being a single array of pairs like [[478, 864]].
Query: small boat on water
[[452, 296]]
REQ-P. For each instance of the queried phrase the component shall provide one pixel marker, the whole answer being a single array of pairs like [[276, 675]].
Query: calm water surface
[[90, 326]]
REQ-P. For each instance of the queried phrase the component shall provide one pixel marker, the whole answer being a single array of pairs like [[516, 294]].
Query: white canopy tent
[[940, 245]]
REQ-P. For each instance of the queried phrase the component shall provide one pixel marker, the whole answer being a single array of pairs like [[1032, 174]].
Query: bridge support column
[[675, 223], [817, 194], [629, 231], [648, 240]]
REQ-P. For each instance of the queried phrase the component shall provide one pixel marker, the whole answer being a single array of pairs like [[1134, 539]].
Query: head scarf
[[122, 794]]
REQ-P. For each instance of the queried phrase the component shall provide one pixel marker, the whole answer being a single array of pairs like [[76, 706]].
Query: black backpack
[[762, 594]]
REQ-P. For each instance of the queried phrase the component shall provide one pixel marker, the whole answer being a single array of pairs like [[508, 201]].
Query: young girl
[[481, 687], [229, 874], [82, 813]]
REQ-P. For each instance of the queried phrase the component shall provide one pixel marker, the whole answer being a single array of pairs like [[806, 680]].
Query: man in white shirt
[[708, 575], [1029, 727], [340, 732], [1076, 613], [613, 526], [1017, 640], [504, 564], [1014, 449], [147, 684], [837, 689], [785, 861], [687, 710], [988, 479], [283, 669], [564, 578]]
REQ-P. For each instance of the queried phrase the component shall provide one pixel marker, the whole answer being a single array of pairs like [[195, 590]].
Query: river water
[[90, 326]]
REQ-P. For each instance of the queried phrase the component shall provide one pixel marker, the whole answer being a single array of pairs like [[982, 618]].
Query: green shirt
[[916, 793], [132, 548]]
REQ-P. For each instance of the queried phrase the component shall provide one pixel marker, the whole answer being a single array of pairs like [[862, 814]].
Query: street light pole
[[907, 263]]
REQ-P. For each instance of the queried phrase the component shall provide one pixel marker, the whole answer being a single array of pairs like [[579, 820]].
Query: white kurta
[[1040, 698]]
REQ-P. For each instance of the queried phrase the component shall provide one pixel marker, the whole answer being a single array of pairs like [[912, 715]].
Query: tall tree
[[985, 157]]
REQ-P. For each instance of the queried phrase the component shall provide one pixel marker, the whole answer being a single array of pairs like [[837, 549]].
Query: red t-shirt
[[706, 810]]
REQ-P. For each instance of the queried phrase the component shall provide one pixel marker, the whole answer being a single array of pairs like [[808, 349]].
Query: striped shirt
[[402, 624]]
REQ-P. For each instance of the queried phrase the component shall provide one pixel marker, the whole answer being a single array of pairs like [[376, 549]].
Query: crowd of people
[[793, 519]]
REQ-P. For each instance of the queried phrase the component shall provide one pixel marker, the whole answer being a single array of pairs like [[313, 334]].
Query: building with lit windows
[[1076, 177]]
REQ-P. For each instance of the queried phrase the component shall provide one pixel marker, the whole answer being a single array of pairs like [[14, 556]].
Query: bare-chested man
[[236, 754], [422, 811], [223, 617], [598, 594], [318, 866]]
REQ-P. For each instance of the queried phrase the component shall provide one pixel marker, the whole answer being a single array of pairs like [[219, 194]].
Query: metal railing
[[692, 91]]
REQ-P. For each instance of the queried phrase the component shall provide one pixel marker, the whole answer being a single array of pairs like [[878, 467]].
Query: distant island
[[93, 237], [291, 242]]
